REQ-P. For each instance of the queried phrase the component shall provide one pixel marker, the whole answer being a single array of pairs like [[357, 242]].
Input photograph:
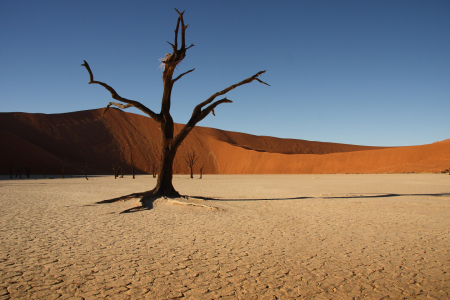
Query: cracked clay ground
[[316, 237]]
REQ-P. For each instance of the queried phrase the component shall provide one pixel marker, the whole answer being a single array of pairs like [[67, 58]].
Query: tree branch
[[175, 47], [200, 112], [210, 108], [191, 158], [199, 107], [116, 96], [178, 54], [195, 119], [183, 29], [262, 81], [181, 75], [119, 105]]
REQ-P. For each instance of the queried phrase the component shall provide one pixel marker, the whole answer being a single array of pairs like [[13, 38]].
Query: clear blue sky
[[357, 72]]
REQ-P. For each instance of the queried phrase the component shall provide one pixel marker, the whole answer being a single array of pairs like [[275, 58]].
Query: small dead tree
[[27, 171], [132, 165], [19, 172], [116, 170], [170, 142], [201, 171], [190, 160], [154, 170], [154, 166]]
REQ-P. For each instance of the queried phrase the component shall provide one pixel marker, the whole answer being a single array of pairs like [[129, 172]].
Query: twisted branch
[[181, 75], [199, 107], [183, 28], [178, 54], [116, 96], [175, 47], [200, 112], [119, 105], [211, 107]]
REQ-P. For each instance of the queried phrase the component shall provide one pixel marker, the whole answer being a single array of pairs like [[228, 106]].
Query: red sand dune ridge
[[83, 140]]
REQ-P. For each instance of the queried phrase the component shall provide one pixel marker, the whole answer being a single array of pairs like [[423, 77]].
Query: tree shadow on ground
[[147, 202], [367, 196]]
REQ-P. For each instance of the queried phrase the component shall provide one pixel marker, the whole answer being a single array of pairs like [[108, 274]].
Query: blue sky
[[357, 72]]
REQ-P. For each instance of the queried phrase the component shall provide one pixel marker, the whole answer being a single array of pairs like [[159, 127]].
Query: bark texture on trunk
[[164, 186]]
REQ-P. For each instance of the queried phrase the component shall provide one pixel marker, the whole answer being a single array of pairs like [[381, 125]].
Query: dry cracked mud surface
[[272, 237]]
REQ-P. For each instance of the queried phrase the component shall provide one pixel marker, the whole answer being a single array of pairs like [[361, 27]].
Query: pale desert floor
[[274, 237]]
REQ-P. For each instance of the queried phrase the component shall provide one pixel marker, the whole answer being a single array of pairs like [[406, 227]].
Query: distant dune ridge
[[47, 142]]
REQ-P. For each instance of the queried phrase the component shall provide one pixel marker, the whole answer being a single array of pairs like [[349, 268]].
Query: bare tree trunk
[[132, 165], [201, 171], [164, 186], [154, 170]]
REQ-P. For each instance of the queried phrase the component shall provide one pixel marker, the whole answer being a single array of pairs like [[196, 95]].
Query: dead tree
[[169, 142], [116, 170], [154, 169], [190, 161], [201, 171], [19, 173], [27, 171], [132, 165]]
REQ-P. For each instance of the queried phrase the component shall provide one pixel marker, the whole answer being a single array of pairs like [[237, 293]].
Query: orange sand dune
[[426, 158], [81, 141]]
